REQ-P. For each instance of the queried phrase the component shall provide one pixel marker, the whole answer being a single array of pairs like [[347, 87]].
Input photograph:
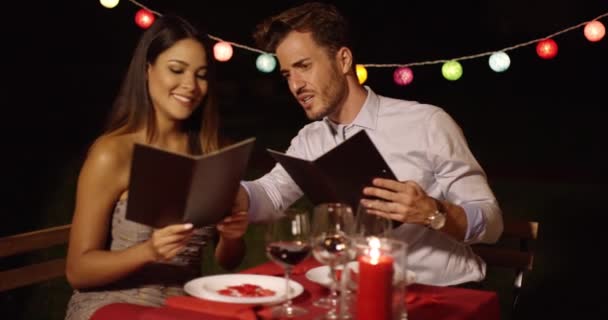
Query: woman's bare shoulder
[[111, 152]]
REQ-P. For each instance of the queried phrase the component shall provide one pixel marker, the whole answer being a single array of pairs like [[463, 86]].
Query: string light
[[144, 18], [361, 73], [109, 3], [483, 54], [499, 61], [222, 51], [594, 31], [403, 76], [266, 62], [451, 70], [547, 49]]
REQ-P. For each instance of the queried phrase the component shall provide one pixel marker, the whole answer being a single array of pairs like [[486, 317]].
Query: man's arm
[[472, 212], [407, 202], [267, 197], [461, 179]]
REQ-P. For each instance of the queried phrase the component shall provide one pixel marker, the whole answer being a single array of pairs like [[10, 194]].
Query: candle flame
[[374, 250]]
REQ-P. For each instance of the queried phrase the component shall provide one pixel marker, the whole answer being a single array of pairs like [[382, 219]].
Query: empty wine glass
[[368, 224], [287, 244], [333, 224]]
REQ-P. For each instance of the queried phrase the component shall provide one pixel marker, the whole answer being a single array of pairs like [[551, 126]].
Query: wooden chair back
[[514, 250], [27, 243]]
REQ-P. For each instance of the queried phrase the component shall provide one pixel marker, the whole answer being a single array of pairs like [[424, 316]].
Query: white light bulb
[[499, 61], [109, 3], [265, 63]]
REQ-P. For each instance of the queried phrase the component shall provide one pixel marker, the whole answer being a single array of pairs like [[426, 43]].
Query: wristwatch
[[436, 220]]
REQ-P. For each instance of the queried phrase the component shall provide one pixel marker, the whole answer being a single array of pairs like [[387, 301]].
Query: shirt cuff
[[476, 222], [261, 207], [244, 185]]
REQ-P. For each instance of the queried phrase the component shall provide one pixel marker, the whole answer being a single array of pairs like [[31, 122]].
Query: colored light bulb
[[594, 31], [451, 70], [361, 73], [222, 51], [403, 76], [499, 61], [546, 49], [266, 63], [109, 3], [144, 18]]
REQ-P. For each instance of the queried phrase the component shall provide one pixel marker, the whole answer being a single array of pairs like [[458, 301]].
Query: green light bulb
[[451, 70]]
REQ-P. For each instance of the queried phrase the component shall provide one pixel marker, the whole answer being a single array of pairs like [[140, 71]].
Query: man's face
[[314, 77]]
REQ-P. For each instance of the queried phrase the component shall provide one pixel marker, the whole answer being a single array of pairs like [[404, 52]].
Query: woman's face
[[177, 80]]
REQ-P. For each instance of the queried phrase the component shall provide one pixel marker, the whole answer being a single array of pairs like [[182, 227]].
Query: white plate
[[207, 287], [322, 276]]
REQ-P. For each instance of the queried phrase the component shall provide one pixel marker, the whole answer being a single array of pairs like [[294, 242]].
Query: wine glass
[[333, 225], [287, 244], [369, 224]]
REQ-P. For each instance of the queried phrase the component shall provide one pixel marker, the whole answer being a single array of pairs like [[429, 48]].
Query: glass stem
[[333, 294], [287, 304]]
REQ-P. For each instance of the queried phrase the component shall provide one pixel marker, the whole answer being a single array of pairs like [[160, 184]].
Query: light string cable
[[238, 45], [411, 64], [487, 53]]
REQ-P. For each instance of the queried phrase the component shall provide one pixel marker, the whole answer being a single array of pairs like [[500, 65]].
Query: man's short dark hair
[[328, 26]]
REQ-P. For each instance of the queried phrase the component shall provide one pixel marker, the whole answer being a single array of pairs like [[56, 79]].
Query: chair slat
[[31, 274], [29, 241], [518, 256], [521, 229], [504, 257]]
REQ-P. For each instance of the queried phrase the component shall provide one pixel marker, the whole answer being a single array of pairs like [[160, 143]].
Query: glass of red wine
[[287, 244]]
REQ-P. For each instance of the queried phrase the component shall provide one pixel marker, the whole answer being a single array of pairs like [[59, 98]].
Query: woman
[[165, 101]]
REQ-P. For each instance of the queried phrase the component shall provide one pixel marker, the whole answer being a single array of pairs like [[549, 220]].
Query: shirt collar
[[368, 115]]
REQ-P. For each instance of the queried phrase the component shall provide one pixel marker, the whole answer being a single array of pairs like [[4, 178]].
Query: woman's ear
[[345, 58]]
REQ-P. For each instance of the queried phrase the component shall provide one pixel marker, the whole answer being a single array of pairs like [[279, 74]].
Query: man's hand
[[402, 201]]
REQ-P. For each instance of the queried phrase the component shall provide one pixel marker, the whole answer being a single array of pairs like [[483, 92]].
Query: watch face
[[438, 221]]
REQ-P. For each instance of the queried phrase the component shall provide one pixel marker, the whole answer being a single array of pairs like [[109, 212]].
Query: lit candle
[[375, 288]]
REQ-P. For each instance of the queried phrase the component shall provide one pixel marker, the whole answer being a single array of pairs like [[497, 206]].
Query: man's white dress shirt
[[420, 142]]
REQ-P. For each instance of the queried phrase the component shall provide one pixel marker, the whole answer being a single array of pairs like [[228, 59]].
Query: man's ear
[[345, 58]]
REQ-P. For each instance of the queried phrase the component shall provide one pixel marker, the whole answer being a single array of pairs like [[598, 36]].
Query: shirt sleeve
[[462, 180], [274, 192]]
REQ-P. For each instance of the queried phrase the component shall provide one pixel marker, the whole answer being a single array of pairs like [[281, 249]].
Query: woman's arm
[[102, 179], [231, 247]]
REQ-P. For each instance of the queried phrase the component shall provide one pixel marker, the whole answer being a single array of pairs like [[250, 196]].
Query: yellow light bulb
[[361, 73]]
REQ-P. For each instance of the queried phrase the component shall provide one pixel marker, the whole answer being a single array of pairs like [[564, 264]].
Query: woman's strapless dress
[[151, 284]]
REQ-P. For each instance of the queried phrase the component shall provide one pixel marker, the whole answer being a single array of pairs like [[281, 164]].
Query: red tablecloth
[[423, 302]]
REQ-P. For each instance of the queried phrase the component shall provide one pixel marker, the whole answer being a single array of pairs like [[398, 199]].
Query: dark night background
[[538, 129]]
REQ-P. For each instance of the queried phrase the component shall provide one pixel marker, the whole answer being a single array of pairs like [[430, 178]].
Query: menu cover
[[340, 174], [168, 188]]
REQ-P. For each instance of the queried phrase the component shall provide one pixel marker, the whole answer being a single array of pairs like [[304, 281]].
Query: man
[[443, 198]]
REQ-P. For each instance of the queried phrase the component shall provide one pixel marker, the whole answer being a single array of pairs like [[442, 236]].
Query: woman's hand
[[233, 226], [231, 247], [169, 241]]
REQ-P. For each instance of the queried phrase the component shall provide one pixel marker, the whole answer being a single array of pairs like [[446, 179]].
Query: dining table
[[422, 301]]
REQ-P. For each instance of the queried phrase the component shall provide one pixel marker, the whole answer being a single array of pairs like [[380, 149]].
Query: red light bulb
[[144, 18], [546, 49]]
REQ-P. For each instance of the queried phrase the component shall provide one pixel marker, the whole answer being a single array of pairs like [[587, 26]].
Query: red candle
[[375, 287]]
